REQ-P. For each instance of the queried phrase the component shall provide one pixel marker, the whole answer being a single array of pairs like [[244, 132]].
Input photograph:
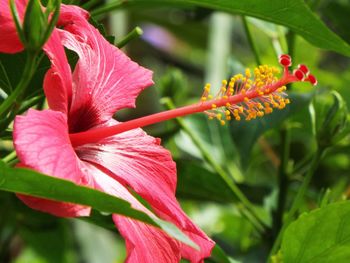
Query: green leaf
[[31, 183], [196, 182], [331, 118], [246, 133], [219, 256], [294, 14], [320, 236], [216, 139], [337, 14]]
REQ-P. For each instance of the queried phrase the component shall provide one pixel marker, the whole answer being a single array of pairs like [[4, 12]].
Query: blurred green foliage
[[175, 45]]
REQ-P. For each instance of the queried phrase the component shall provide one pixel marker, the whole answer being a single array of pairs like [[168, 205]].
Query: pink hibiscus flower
[[9, 41], [104, 81]]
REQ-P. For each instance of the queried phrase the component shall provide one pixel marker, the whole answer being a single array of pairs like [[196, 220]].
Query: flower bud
[[331, 119], [34, 25]]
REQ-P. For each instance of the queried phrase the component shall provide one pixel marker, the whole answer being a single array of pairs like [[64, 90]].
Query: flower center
[[242, 97]]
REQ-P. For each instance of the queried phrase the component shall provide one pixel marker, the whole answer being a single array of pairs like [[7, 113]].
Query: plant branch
[[22, 85], [297, 200], [250, 40]]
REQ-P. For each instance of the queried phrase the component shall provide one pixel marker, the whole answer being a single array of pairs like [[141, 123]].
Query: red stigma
[[312, 79], [285, 60], [299, 74], [304, 69]]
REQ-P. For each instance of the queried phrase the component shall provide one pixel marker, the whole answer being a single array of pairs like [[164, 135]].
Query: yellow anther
[[260, 113], [268, 110], [282, 105], [281, 89], [247, 73], [259, 95], [261, 83], [207, 87]]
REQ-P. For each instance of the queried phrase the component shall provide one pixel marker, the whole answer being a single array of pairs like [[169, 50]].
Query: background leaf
[[320, 236], [198, 183], [294, 14], [246, 133]]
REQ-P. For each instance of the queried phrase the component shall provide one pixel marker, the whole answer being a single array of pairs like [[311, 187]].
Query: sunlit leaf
[[320, 236]]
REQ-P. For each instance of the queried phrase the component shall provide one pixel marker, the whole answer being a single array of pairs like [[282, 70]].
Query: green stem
[[22, 85], [12, 155], [89, 4], [283, 180], [297, 200], [285, 134], [291, 43], [247, 209], [250, 40], [303, 165], [106, 8], [135, 33]]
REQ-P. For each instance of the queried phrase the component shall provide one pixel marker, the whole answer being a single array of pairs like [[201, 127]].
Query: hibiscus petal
[[144, 243], [9, 41], [58, 80], [137, 160], [42, 143], [53, 207], [105, 79]]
